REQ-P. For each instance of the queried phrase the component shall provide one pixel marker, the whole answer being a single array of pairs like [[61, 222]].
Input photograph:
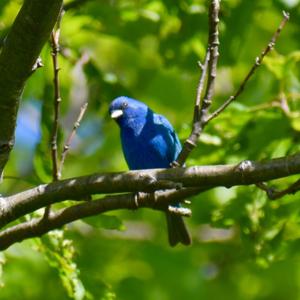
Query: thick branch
[[245, 173], [20, 51], [38, 227]]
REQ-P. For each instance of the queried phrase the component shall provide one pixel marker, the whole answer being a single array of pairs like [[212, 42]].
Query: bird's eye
[[124, 104]]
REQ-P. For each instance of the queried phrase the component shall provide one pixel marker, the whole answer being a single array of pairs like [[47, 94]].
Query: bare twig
[[209, 69], [191, 141], [274, 194], [213, 47], [200, 87], [257, 63], [70, 137], [57, 100], [268, 105], [281, 103]]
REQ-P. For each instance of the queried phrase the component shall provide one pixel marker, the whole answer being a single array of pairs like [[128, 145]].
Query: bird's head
[[127, 111]]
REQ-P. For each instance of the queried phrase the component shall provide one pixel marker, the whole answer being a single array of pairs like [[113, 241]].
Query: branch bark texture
[[204, 177], [209, 70], [39, 226], [167, 186]]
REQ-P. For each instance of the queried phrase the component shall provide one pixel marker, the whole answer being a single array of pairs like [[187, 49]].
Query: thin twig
[[200, 88], [191, 141], [265, 106], [213, 44], [209, 70], [70, 137], [57, 100], [280, 103], [273, 194], [257, 63]]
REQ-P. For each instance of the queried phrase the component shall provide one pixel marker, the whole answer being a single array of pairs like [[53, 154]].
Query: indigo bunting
[[149, 141]]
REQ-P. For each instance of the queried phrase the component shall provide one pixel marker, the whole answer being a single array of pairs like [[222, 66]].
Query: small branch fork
[[257, 63], [201, 117], [57, 100], [209, 70], [274, 194], [56, 166]]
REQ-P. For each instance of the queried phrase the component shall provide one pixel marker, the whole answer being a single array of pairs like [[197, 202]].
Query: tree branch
[[257, 63], [20, 51], [197, 179], [40, 226], [244, 173], [209, 69], [274, 194], [55, 34], [70, 137]]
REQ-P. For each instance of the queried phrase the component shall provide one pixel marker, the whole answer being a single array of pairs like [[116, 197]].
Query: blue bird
[[149, 141]]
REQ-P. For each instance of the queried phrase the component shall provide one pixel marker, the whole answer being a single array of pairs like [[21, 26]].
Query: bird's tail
[[177, 230]]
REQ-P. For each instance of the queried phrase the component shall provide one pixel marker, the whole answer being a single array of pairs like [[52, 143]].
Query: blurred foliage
[[245, 247], [59, 252]]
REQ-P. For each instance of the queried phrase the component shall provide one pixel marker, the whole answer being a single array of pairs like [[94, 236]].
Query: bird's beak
[[115, 114]]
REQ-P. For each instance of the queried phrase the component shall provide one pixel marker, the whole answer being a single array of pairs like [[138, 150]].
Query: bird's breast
[[145, 151]]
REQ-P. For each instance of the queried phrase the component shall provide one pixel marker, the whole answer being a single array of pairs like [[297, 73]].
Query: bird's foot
[[181, 211]]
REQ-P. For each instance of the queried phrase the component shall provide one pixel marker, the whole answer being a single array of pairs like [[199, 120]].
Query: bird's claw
[[181, 211]]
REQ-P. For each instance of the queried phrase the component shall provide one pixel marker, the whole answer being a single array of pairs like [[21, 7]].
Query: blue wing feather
[[170, 136], [155, 146]]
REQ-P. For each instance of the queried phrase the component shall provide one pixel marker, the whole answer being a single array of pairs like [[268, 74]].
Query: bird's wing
[[170, 135]]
